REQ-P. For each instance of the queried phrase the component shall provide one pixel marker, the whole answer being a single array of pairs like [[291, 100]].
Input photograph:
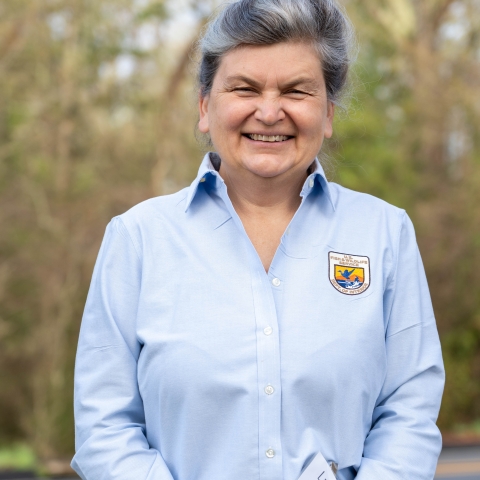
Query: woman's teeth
[[268, 138]]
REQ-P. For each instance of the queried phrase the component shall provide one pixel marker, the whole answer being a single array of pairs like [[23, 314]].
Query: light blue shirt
[[195, 364]]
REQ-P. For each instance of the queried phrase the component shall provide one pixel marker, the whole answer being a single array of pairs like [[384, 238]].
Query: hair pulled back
[[322, 23]]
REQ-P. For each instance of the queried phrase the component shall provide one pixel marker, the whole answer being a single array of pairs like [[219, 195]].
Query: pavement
[[459, 463], [455, 463]]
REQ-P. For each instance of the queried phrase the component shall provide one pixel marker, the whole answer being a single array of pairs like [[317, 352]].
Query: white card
[[318, 470]]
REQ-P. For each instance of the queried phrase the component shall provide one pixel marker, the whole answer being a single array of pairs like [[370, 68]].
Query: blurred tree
[[81, 107], [413, 140]]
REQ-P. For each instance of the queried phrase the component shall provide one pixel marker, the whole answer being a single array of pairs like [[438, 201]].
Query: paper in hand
[[318, 470]]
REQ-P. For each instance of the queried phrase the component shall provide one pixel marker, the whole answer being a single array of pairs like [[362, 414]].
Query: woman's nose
[[269, 110]]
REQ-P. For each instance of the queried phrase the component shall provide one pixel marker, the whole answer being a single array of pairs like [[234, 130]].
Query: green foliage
[[473, 427], [412, 139], [80, 112], [18, 456], [155, 10]]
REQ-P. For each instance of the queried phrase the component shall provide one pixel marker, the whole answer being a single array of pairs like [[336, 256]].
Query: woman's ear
[[203, 125], [329, 120]]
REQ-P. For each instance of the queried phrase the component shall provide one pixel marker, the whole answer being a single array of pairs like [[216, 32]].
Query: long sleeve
[[109, 415], [404, 441]]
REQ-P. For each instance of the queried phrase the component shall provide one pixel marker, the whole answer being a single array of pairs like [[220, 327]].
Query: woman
[[238, 328]]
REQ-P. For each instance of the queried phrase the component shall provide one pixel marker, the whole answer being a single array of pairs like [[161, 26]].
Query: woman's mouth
[[267, 138]]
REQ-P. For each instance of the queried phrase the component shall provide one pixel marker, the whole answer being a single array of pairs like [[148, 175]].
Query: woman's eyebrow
[[242, 78], [306, 82]]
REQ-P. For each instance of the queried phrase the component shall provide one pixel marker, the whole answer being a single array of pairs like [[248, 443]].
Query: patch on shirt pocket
[[349, 274]]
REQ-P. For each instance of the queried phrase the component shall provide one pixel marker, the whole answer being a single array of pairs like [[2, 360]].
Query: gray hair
[[265, 22]]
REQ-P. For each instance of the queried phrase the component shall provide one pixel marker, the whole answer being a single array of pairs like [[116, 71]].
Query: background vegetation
[[97, 112]]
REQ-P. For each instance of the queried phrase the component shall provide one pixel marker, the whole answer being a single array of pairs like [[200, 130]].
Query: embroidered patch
[[349, 274]]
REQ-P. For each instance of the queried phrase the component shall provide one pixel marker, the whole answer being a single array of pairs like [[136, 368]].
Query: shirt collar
[[208, 173], [317, 174], [205, 172]]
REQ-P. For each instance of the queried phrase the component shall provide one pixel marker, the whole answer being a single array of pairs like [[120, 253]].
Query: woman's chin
[[268, 168]]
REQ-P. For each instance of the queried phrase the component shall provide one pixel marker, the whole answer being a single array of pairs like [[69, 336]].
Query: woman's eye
[[296, 92], [244, 89]]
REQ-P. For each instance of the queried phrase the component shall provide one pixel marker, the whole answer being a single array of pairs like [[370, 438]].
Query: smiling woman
[[267, 111], [263, 321]]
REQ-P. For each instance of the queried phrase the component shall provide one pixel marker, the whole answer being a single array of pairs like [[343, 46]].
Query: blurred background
[[98, 112]]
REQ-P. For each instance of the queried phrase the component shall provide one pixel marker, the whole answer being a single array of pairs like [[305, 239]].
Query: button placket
[[268, 378], [268, 359]]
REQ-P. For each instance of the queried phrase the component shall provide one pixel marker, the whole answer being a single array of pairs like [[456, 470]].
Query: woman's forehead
[[282, 62]]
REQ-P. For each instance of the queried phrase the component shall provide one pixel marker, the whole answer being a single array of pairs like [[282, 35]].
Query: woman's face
[[268, 111]]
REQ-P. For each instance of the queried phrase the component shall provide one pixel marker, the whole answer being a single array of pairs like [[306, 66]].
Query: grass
[[17, 457]]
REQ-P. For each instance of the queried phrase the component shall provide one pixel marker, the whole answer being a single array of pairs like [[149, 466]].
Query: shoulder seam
[[339, 187], [397, 254], [124, 227]]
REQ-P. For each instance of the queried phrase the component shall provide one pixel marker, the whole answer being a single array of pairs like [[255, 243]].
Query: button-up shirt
[[194, 363]]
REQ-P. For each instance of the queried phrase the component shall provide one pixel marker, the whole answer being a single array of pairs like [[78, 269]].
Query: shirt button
[[268, 330], [276, 282], [269, 389], [270, 453], [202, 180], [311, 182]]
